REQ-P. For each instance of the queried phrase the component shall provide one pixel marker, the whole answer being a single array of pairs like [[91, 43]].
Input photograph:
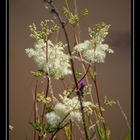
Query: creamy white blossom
[[53, 118], [60, 109], [76, 116], [71, 103], [94, 54], [57, 64], [94, 50], [38, 54], [70, 107]]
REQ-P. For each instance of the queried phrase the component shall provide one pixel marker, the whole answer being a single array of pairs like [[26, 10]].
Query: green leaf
[[84, 12], [73, 18], [65, 10], [128, 137], [36, 125], [52, 128], [101, 132], [78, 73], [38, 73], [108, 102]]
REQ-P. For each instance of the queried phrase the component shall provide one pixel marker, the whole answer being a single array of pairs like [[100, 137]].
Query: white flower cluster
[[38, 54], [92, 54], [57, 64], [94, 50], [70, 107]]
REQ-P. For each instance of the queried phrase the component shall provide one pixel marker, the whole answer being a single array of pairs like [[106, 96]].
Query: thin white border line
[[6, 68], [133, 73]]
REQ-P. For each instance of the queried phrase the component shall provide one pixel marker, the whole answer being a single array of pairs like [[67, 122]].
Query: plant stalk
[[98, 100]]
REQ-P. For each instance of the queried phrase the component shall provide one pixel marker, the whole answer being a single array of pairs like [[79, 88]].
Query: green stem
[[70, 130]]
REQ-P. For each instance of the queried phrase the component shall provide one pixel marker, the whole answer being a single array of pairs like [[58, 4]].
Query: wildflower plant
[[74, 109]]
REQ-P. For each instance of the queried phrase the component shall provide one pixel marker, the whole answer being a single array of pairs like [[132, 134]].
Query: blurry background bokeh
[[114, 76]]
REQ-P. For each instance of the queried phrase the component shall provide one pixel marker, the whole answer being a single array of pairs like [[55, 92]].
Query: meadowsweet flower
[[53, 118], [60, 109], [38, 54], [71, 103], [88, 107], [57, 64], [70, 107], [91, 54], [76, 116], [94, 50]]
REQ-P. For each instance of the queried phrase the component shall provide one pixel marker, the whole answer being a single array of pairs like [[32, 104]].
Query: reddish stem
[[59, 128], [43, 112], [83, 117], [98, 100], [64, 84], [62, 23], [35, 111], [81, 78]]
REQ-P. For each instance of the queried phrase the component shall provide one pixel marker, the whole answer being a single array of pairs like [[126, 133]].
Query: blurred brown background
[[114, 76]]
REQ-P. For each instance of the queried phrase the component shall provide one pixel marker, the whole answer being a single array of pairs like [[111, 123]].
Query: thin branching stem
[[58, 131], [72, 64], [98, 98], [59, 128], [44, 106], [70, 130], [35, 108], [67, 5], [64, 84], [81, 78], [84, 74], [83, 117], [62, 23], [124, 115], [75, 43]]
